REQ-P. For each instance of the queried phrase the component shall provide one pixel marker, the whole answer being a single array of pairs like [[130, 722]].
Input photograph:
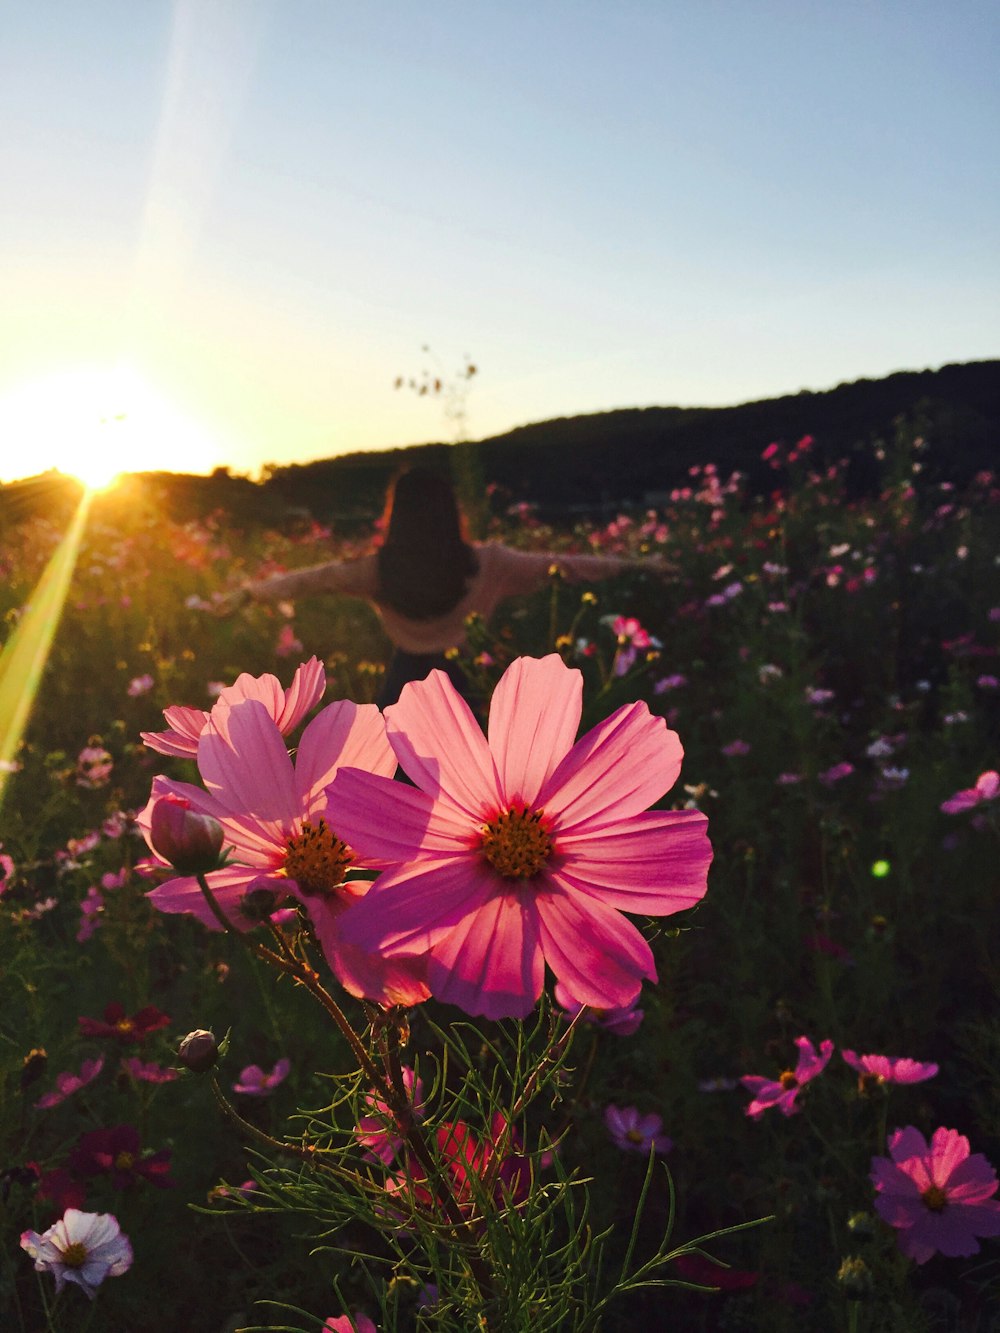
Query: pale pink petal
[[620, 768], [972, 1181], [266, 689], [440, 745], [592, 949], [305, 691], [410, 910], [988, 785], [186, 725], [182, 895], [343, 735], [388, 822], [534, 717], [656, 863], [244, 763], [491, 962]]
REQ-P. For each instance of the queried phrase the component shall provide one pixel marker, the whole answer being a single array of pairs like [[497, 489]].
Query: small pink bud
[[189, 841]]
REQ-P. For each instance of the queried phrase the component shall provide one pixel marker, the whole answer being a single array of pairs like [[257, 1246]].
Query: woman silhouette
[[427, 577]]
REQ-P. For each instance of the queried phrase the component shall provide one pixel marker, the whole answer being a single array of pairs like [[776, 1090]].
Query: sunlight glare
[[94, 424]]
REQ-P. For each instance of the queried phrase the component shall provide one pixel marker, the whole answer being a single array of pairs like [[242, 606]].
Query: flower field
[[690, 1022]]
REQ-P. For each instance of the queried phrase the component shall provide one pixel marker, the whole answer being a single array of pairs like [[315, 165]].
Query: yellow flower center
[[124, 1161], [633, 1136], [75, 1255], [934, 1198], [517, 843], [788, 1080], [124, 1027], [316, 858]]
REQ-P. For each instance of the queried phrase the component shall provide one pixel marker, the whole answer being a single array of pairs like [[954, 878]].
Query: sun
[[93, 423]]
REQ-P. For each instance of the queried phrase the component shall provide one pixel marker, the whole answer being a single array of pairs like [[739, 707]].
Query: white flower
[[84, 1248]]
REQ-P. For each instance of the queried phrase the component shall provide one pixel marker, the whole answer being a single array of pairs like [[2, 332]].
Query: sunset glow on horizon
[[260, 213]]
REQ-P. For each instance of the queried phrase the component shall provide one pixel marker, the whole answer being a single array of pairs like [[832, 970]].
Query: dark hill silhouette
[[633, 454]]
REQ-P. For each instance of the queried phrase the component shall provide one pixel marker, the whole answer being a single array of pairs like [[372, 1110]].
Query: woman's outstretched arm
[[351, 578]]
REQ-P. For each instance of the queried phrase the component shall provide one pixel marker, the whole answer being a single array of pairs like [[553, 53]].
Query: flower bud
[[855, 1279], [198, 1051], [189, 841]]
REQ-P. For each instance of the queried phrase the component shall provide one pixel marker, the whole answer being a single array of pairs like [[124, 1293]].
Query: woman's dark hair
[[425, 561]]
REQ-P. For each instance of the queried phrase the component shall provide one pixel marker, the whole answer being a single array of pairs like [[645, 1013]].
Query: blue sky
[[263, 209]]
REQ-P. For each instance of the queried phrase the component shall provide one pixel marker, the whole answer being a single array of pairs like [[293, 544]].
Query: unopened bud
[[855, 1279], [198, 1051], [34, 1066], [191, 842]]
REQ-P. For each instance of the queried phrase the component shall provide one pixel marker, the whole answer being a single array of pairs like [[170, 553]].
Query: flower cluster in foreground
[[511, 851]]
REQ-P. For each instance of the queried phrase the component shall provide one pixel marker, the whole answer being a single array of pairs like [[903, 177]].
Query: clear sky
[[231, 223]]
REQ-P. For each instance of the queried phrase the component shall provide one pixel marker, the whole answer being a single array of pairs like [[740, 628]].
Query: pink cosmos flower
[[284, 834], [889, 1069], [139, 685], [938, 1195], [84, 1248], [118, 1024], [90, 914], [633, 1132], [287, 708], [67, 1083], [350, 1323], [784, 1090], [93, 766], [987, 788], [253, 1082], [524, 848], [287, 642], [736, 748]]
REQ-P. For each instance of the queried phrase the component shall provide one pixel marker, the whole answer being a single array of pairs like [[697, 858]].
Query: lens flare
[[24, 655]]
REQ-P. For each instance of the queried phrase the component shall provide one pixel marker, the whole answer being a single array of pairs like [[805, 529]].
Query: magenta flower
[[836, 774], [253, 1082], [523, 849], [286, 708], [888, 1068], [987, 788], [84, 1248], [117, 1153], [784, 1090], [633, 1132], [350, 1323], [284, 836], [939, 1196], [67, 1083], [118, 1024], [139, 685]]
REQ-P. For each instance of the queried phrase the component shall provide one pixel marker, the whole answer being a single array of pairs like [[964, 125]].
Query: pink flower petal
[[390, 822], [244, 763], [655, 863], [305, 691], [592, 948], [620, 768], [182, 895], [365, 975], [534, 717], [409, 911], [441, 746], [181, 741], [491, 962], [343, 735]]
